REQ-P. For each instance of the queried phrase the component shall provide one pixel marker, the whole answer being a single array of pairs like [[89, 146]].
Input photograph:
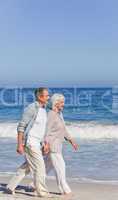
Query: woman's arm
[[74, 144], [68, 137], [50, 134], [50, 126]]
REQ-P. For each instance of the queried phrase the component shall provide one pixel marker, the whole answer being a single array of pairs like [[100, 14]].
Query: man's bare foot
[[9, 191]]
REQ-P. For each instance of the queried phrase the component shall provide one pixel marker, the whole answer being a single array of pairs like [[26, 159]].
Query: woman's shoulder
[[51, 113]]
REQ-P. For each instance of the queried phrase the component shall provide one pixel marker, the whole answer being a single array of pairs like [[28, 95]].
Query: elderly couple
[[41, 133]]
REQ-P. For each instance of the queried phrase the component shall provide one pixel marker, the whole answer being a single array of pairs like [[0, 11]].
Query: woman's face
[[60, 105]]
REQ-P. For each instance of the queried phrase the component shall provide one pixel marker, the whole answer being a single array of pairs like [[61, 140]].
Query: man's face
[[44, 97]]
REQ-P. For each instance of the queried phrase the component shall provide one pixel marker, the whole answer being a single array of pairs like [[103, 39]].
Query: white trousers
[[35, 164], [52, 161], [60, 171]]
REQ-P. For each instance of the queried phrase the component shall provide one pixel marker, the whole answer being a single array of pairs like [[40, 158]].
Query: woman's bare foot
[[67, 196], [70, 194]]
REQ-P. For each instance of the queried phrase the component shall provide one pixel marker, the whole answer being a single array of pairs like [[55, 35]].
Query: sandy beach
[[81, 191]]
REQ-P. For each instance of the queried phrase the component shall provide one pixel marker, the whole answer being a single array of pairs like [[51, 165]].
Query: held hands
[[45, 148]]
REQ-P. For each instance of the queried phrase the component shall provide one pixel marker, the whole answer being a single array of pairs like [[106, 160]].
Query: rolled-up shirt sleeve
[[26, 117]]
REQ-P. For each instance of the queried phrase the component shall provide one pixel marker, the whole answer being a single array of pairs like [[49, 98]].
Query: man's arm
[[26, 117], [20, 142]]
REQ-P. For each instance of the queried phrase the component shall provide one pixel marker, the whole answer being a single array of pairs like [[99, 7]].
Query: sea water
[[91, 116]]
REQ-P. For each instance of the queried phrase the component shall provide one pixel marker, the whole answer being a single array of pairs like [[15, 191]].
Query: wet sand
[[81, 191]]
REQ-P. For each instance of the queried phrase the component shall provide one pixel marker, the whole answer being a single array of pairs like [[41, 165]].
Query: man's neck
[[42, 105]]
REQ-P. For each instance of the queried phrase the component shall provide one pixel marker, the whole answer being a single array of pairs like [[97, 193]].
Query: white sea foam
[[8, 129], [88, 180], [92, 130], [88, 130], [79, 180]]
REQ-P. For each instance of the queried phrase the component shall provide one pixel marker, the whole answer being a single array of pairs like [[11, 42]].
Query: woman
[[55, 134]]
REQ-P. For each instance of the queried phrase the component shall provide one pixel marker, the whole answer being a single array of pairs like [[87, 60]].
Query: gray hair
[[56, 98], [39, 91]]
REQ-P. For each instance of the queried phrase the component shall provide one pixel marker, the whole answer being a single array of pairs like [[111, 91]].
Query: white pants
[[35, 164], [52, 161], [59, 167]]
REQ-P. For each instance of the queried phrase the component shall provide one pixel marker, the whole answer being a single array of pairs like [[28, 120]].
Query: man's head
[[42, 95]]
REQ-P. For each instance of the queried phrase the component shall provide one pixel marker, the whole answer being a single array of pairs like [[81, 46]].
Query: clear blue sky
[[58, 42]]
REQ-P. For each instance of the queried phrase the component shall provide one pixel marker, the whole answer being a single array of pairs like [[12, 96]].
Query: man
[[31, 130]]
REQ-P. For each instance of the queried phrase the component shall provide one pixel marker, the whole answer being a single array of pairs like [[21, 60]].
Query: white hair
[[56, 98]]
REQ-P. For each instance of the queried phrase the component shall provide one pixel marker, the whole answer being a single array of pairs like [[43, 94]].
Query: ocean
[[91, 116]]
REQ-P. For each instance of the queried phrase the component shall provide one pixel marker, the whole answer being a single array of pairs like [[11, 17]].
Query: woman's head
[[57, 101]]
